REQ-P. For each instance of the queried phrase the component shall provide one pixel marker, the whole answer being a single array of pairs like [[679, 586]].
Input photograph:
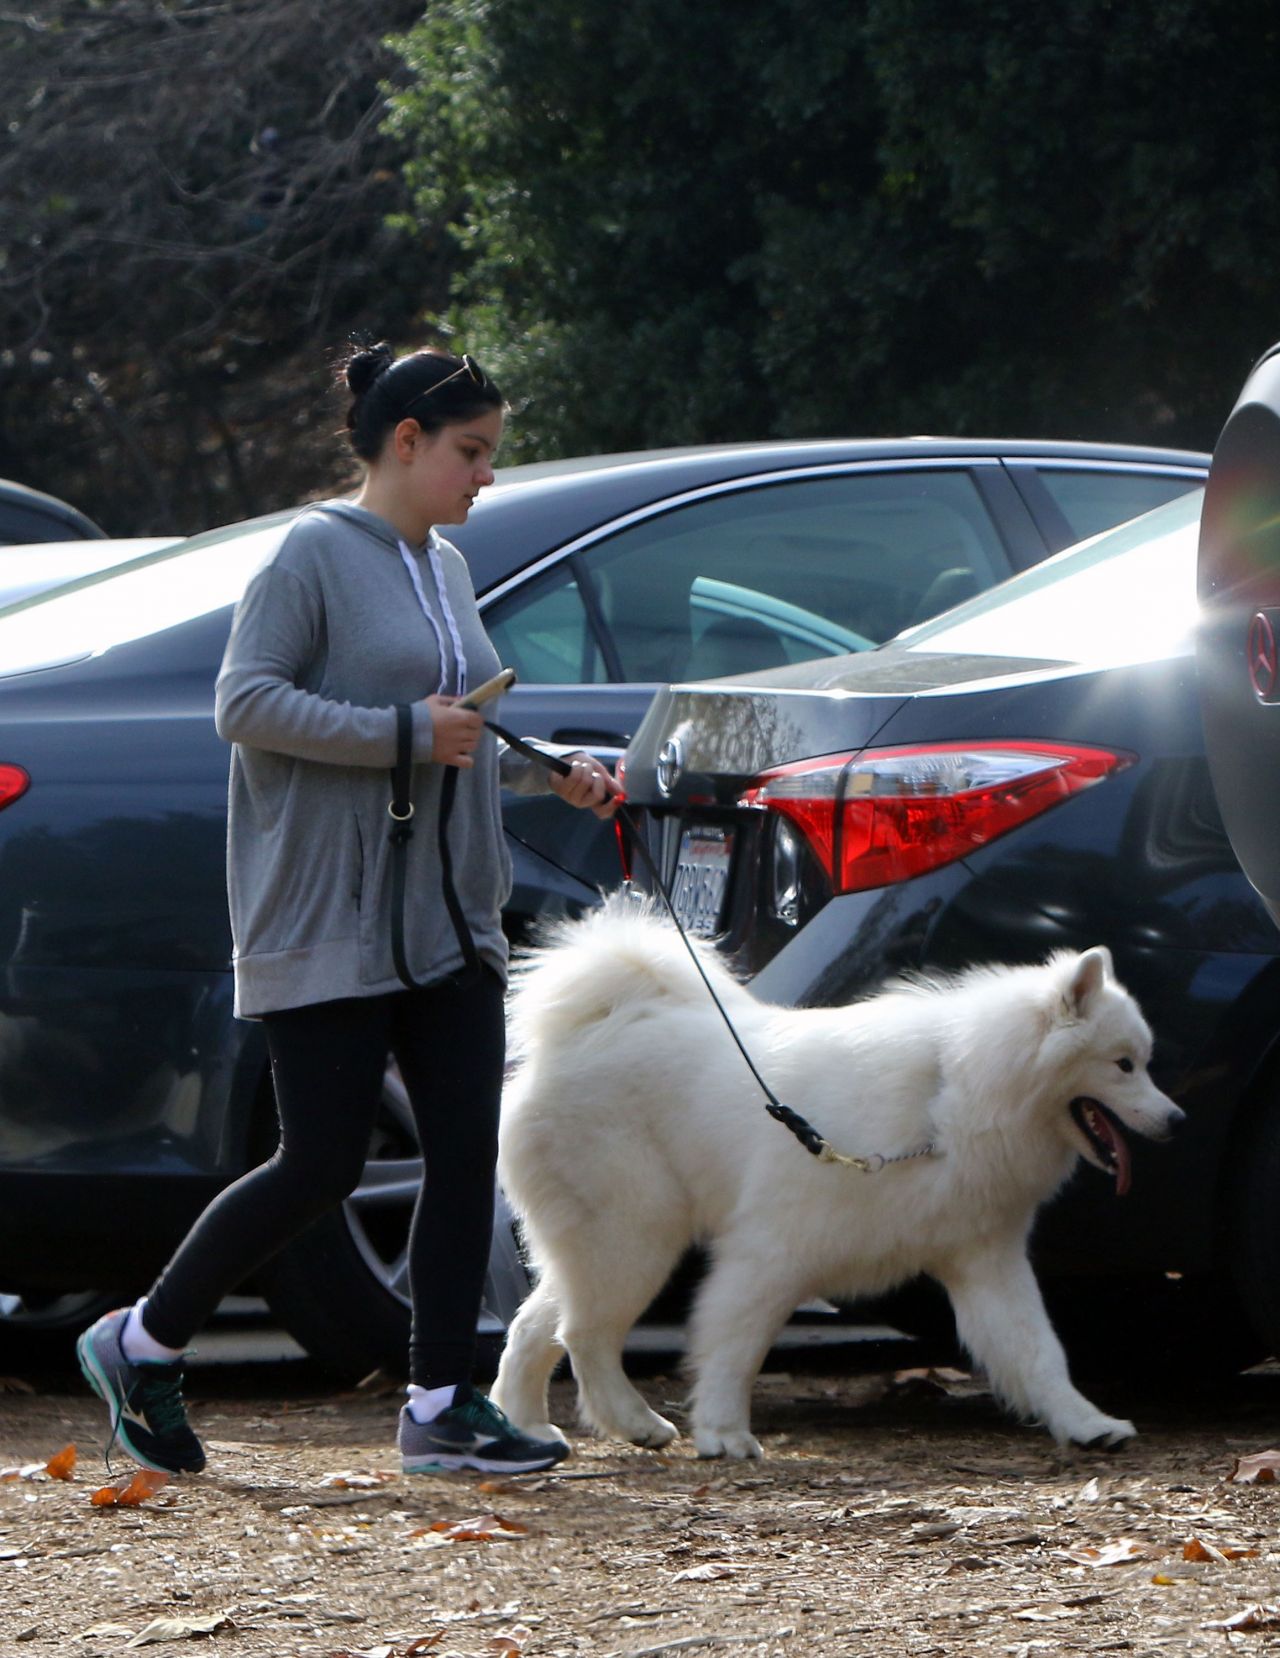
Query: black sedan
[[128, 1093], [1023, 774]]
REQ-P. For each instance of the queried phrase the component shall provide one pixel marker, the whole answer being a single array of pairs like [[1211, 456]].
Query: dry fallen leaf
[[28, 1471], [1263, 1468], [1253, 1617], [423, 1643], [503, 1646], [1046, 1614], [355, 1480], [704, 1573], [1116, 1553], [930, 1379], [129, 1490], [61, 1465], [482, 1528], [1195, 1549], [181, 1629]]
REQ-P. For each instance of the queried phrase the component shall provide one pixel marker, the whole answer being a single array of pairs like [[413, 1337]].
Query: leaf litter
[[912, 1512]]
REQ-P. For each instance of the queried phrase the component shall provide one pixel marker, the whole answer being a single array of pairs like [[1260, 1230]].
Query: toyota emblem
[[670, 764], [1264, 668]]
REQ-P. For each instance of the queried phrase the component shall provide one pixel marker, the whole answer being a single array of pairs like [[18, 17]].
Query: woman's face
[[448, 468]]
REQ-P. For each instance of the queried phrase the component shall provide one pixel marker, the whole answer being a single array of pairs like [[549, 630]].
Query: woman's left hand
[[587, 784]]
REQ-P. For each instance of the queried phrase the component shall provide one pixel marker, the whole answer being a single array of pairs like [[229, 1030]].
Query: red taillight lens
[[13, 783], [619, 828], [883, 815]]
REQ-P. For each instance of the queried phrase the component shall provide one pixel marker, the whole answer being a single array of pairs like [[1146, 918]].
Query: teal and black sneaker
[[473, 1433], [148, 1416]]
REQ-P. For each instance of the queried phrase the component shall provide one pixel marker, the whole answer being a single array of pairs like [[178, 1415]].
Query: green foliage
[[679, 223]]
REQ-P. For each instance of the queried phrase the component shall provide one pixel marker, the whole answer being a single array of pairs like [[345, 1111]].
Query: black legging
[[327, 1063]]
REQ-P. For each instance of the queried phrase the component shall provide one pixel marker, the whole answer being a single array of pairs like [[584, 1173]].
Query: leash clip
[[864, 1165]]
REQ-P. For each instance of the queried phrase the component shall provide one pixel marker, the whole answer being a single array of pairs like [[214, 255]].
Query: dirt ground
[[891, 1515]]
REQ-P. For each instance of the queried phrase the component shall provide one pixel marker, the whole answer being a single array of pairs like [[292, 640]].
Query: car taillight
[[619, 827], [13, 783], [883, 815]]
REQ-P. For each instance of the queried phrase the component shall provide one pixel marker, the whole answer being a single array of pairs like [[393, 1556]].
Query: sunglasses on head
[[470, 368]]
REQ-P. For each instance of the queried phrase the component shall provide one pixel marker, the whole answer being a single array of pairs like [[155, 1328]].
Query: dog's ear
[[1091, 972]]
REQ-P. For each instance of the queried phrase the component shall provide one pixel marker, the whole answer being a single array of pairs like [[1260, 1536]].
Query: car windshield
[[1128, 595]]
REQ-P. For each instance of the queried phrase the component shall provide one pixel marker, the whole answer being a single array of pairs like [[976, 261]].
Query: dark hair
[[387, 389]]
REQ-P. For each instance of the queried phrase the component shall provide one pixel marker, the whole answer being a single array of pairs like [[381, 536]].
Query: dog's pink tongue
[[1107, 1130]]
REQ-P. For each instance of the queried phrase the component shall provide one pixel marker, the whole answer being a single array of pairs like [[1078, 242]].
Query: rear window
[[1126, 596], [1093, 501]]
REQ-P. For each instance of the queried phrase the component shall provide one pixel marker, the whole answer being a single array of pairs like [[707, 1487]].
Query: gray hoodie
[[329, 636]]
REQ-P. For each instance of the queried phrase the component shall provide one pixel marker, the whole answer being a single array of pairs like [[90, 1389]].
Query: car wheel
[[341, 1289], [38, 1328]]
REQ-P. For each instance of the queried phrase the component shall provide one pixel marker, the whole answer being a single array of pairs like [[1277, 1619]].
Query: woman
[[350, 651]]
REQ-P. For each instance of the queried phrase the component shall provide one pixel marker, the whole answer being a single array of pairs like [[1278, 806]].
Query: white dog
[[634, 1129]]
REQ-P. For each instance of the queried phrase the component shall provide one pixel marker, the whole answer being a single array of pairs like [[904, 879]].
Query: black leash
[[400, 810], [804, 1131]]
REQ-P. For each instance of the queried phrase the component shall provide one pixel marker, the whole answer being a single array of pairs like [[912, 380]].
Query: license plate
[[701, 878]]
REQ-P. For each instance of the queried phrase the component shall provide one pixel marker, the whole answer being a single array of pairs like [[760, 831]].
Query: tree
[[196, 202], [748, 218]]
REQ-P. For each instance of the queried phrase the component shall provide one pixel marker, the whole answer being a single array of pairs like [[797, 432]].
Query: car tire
[[40, 1330], [341, 1288]]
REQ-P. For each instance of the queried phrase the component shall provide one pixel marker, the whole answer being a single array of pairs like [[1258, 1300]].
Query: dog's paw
[[1115, 1434], [654, 1438], [545, 1431], [738, 1443], [1102, 1433]]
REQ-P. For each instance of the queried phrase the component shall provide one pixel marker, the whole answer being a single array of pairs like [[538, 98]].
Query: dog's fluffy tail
[[624, 955]]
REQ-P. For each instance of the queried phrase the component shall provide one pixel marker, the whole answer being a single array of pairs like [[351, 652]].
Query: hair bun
[[365, 365]]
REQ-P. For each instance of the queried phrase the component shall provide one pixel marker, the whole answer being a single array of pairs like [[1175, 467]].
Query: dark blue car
[[1025, 773]]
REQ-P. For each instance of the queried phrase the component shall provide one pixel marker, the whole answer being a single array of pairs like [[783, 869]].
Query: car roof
[[591, 490]]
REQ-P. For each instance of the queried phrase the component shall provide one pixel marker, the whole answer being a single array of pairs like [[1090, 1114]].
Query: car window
[[1126, 596], [757, 577], [542, 631], [1093, 501]]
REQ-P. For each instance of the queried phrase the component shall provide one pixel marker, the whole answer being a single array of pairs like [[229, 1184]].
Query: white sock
[[426, 1403], [138, 1347]]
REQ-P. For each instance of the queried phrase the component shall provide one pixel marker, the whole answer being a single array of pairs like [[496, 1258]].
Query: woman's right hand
[[455, 731]]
